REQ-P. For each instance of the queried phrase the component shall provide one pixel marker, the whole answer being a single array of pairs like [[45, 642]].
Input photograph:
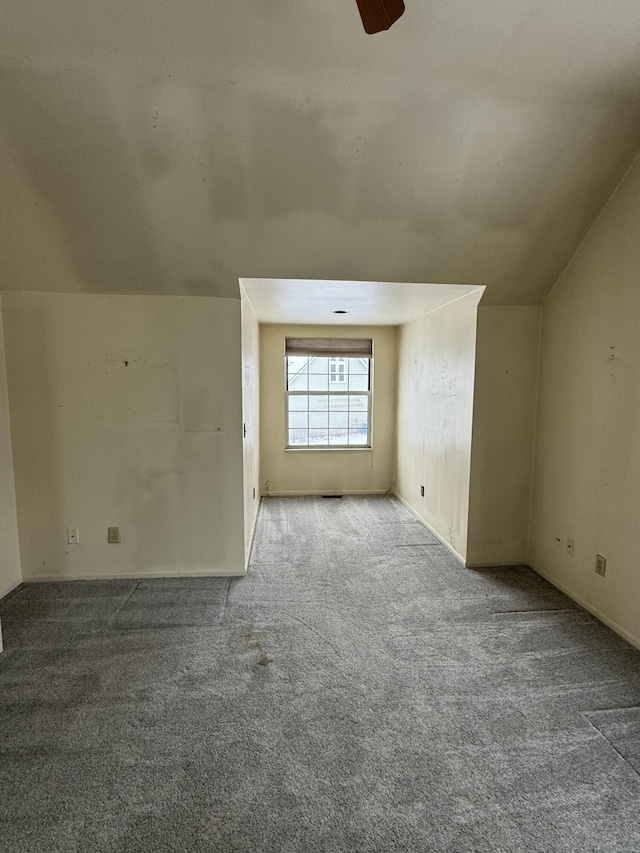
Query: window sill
[[324, 448]]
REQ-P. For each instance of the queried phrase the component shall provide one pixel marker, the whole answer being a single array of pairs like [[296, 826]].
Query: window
[[328, 392]]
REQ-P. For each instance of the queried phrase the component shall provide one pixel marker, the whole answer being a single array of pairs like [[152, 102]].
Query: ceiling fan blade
[[378, 15]]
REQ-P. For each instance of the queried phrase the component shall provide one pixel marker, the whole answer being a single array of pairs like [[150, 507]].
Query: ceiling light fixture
[[378, 15]]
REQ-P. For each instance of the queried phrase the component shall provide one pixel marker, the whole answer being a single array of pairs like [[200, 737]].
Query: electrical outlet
[[113, 535], [601, 565], [422, 491], [570, 547], [72, 536]]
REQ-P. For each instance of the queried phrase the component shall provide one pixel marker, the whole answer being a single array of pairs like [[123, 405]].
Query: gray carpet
[[358, 691]]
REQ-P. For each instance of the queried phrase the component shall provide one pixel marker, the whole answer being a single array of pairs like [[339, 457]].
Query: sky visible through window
[[328, 401]]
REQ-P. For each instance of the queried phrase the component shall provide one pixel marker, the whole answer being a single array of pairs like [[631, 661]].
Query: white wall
[[251, 418], [587, 461], [324, 471], [436, 356], [126, 411], [507, 348], [10, 574]]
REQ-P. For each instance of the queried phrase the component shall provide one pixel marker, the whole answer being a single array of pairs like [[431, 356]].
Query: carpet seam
[[226, 601], [113, 615], [585, 714]]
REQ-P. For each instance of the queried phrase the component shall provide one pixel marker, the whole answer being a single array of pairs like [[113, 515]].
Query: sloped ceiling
[[164, 147]]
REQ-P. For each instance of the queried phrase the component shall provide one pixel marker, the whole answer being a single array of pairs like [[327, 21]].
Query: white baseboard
[[139, 576], [610, 623], [311, 493], [444, 542], [496, 564]]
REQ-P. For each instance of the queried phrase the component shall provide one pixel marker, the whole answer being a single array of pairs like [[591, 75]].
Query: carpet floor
[[357, 692]]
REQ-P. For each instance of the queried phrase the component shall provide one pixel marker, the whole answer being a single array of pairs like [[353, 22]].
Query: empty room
[[319, 419]]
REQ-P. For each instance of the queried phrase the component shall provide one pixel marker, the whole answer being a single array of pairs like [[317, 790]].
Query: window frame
[[296, 448]]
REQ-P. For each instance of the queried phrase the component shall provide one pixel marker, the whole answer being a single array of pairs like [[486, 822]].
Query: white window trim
[[323, 448]]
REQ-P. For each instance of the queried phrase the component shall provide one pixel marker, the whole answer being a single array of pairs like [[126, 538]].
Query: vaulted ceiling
[[154, 146]]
